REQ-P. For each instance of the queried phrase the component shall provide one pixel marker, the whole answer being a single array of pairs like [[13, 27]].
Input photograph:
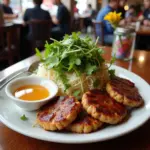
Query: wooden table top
[[136, 140], [144, 30]]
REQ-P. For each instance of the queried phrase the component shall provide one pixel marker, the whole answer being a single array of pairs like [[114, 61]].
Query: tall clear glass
[[124, 43]]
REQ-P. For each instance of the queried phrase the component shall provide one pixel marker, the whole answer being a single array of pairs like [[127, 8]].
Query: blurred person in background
[[146, 13], [108, 29], [144, 43], [131, 14], [7, 10], [89, 10], [75, 9], [139, 10], [35, 13], [88, 19], [121, 9], [76, 18], [61, 21]]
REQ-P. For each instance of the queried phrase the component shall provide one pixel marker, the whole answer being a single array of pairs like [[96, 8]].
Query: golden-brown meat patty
[[124, 91], [102, 107], [59, 113], [84, 123]]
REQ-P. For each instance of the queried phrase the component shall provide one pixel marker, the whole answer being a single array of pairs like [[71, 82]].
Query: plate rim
[[11, 126]]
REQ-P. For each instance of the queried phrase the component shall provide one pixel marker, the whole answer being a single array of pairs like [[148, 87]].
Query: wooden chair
[[40, 33], [9, 43], [101, 27]]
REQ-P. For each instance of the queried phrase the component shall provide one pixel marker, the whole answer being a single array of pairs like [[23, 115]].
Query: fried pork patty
[[102, 107], [84, 123], [124, 91], [59, 113]]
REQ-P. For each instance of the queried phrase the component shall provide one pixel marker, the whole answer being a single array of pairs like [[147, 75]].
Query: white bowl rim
[[9, 94]]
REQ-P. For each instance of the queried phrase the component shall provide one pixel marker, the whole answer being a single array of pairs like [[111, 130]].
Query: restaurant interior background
[[79, 65], [19, 7]]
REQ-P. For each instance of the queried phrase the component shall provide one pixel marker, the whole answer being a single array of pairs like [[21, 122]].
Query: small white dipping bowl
[[31, 80]]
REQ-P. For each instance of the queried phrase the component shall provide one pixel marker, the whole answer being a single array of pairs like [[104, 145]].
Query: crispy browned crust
[[102, 107], [58, 114], [124, 91], [84, 123]]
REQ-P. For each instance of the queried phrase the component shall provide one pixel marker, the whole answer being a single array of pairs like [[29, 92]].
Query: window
[[16, 6]]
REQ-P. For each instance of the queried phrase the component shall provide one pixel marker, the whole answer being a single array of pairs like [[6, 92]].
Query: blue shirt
[[108, 29]]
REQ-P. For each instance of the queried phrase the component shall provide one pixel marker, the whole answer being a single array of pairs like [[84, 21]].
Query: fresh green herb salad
[[75, 64]]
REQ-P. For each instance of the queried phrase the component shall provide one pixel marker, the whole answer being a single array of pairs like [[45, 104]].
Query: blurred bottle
[[138, 24]]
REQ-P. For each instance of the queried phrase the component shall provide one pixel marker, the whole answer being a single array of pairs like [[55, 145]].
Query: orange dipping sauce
[[31, 92]]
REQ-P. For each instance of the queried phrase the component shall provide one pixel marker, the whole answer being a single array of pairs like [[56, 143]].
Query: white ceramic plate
[[10, 116]]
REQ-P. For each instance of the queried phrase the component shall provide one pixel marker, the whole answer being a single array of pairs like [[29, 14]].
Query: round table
[[137, 140]]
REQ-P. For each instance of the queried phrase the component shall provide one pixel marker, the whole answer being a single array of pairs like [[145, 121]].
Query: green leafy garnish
[[76, 93], [23, 117], [90, 69], [72, 55], [38, 53], [63, 78], [111, 73], [113, 60]]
